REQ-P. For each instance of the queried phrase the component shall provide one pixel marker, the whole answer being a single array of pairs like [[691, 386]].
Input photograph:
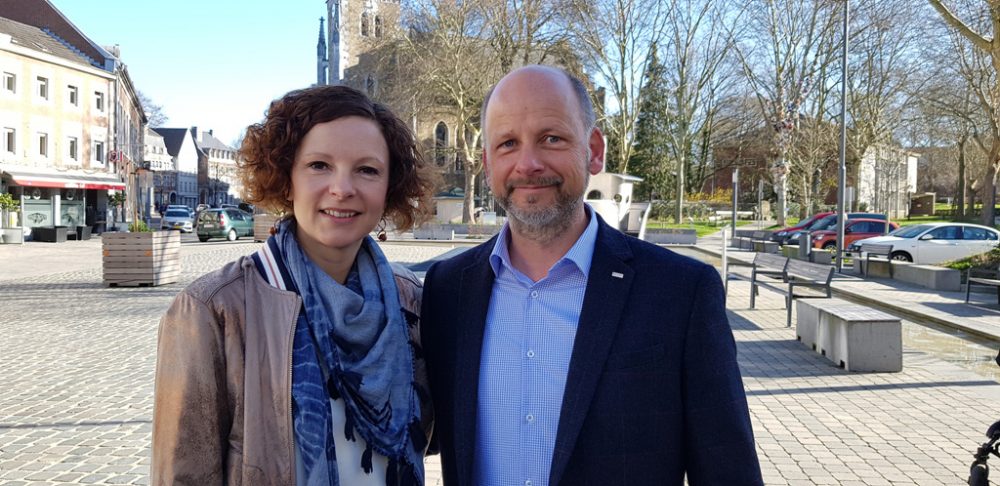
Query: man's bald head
[[588, 119]]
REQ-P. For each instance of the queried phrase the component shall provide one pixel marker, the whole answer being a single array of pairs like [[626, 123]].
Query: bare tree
[[154, 112], [698, 36], [884, 70], [448, 53], [981, 28], [617, 37], [786, 45]]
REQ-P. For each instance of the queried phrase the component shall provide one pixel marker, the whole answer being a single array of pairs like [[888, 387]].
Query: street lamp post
[[842, 173]]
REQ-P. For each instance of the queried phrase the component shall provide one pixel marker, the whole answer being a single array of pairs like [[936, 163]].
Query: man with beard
[[562, 351]]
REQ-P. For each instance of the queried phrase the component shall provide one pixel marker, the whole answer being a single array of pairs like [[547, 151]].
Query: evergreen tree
[[651, 159]]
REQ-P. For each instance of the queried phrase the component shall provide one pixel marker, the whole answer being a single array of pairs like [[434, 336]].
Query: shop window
[[10, 82]]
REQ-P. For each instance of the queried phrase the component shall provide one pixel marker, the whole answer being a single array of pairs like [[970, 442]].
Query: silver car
[[178, 219]]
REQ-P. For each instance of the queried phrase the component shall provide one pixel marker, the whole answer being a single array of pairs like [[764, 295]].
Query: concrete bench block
[[853, 336], [679, 236], [433, 233], [929, 276]]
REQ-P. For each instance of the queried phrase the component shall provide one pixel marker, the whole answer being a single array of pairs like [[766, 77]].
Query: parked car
[[181, 207], [856, 229], [826, 223], [224, 223], [178, 219], [936, 242], [783, 233]]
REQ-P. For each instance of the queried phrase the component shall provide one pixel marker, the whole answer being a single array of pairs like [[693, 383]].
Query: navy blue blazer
[[653, 391]]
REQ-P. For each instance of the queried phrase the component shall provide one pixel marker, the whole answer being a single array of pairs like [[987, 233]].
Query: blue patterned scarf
[[353, 347]]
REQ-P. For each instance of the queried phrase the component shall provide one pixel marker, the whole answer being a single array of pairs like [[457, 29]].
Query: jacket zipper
[[291, 421]]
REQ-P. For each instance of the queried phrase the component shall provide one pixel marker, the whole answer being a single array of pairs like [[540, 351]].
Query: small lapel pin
[[617, 275]]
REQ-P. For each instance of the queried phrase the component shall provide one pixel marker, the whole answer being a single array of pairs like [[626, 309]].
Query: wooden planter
[[262, 224], [141, 259]]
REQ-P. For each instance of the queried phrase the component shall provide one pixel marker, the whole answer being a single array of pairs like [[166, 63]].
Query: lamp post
[[842, 173]]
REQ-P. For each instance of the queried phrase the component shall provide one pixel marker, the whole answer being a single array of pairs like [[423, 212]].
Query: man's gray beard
[[543, 225]]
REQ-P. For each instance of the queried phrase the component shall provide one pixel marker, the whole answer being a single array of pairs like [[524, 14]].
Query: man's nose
[[529, 162]]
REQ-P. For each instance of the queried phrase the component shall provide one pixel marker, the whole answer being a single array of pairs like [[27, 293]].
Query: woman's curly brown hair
[[268, 151]]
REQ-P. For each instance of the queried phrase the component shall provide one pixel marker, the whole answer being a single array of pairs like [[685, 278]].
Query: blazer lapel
[[473, 301], [604, 301]]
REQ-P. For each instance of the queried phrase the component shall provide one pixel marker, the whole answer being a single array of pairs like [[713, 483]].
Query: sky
[[214, 64]]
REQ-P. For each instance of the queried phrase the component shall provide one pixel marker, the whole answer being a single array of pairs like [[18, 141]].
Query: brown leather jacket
[[222, 410]]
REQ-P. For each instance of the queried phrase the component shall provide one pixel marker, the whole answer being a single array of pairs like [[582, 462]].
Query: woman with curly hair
[[300, 364]]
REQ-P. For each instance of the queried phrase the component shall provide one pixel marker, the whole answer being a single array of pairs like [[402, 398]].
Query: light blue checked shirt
[[527, 346]]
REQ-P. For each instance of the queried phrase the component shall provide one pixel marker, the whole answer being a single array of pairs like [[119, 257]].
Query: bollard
[[805, 245]]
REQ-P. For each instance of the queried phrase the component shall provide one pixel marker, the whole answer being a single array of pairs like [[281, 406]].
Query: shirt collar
[[580, 254]]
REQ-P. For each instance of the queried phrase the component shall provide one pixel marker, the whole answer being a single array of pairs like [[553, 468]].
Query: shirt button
[[530, 418], [531, 353], [534, 294]]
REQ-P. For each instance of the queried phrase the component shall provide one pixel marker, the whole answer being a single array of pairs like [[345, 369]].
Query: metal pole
[[736, 190], [842, 180]]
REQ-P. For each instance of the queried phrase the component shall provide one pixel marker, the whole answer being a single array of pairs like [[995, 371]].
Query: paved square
[[77, 361]]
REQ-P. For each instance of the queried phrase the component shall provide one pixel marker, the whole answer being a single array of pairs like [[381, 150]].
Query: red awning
[[67, 181]]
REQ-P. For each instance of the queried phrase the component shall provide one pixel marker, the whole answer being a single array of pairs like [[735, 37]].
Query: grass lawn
[[703, 228]]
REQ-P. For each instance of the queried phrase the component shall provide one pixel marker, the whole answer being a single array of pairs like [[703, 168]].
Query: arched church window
[[378, 26], [595, 194], [364, 24], [441, 143]]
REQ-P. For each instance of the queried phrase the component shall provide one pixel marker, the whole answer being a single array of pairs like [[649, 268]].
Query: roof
[[209, 141], [173, 138], [38, 40]]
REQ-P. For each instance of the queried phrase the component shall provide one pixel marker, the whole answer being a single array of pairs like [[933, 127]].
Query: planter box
[[674, 236], [11, 235], [141, 259], [50, 234], [929, 276], [790, 251], [262, 224]]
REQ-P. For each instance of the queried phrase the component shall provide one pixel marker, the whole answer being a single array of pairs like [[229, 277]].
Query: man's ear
[[596, 144]]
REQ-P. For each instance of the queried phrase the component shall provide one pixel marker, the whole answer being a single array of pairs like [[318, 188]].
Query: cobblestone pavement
[[77, 360], [76, 368]]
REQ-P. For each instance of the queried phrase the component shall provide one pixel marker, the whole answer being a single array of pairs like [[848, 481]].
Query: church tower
[[322, 63], [354, 27]]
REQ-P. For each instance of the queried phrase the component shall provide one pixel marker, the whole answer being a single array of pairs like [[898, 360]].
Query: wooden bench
[[855, 337], [881, 252], [983, 277], [764, 265], [798, 274]]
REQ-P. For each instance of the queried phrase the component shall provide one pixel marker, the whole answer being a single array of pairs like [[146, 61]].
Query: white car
[[936, 242], [179, 219]]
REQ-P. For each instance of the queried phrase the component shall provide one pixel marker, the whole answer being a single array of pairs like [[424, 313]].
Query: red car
[[782, 234], [856, 229]]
